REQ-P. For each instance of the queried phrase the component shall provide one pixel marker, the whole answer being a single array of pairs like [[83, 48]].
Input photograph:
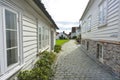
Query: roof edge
[[86, 9], [41, 6]]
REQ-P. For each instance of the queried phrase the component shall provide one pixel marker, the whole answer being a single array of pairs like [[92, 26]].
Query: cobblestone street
[[73, 64]]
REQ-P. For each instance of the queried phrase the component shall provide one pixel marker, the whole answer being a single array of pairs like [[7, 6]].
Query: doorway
[[87, 45], [100, 52]]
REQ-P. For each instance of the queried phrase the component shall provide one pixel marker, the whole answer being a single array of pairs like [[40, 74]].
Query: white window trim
[[12, 66], [3, 60], [101, 58], [89, 23], [39, 45], [8, 75], [104, 22], [84, 26], [1, 41]]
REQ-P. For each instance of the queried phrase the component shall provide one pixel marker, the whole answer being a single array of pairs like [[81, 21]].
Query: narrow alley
[[73, 64]]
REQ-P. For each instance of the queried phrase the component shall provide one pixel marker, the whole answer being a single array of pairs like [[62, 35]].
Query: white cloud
[[65, 10], [66, 27]]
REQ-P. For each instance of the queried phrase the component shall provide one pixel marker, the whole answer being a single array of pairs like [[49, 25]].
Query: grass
[[61, 42]]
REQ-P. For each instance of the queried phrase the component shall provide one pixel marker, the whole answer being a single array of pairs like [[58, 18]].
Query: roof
[[65, 33], [57, 33], [87, 8], [42, 7]]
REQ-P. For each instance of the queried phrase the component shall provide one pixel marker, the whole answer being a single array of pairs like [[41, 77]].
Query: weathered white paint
[[111, 30], [30, 17], [1, 40], [119, 23]]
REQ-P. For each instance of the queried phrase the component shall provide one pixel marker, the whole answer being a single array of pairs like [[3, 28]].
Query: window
[[42, 34], [100, 52], [11, 37], [84, 27], [39, 37], [87, 45], [11, 57], [46, 36], [89, 24], [103, 12]]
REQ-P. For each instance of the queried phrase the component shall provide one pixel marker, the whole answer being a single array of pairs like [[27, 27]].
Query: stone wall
[[111, 53], [112, 56]]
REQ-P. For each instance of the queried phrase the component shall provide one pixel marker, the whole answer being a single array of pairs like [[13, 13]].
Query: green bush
[[42, 69], [57, 48], [74, 37], [25, 75]]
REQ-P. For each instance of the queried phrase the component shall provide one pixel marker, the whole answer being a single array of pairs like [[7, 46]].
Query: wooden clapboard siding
[[29, 39], [108, 31], [1, 48], [29, 30], [29, 17]]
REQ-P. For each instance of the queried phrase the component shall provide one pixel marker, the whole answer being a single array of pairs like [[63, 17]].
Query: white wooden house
[[26, 29], [100, 26], [62, 35], [75, 31]]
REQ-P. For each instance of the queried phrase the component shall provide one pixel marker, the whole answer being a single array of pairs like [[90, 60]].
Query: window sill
[[102, 25], [44, 48], [8, 74]]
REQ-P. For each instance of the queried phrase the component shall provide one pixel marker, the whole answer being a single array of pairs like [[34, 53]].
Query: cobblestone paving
[[73, 64]]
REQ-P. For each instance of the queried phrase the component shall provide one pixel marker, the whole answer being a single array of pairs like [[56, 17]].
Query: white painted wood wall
[[29, 22], [113, 22]]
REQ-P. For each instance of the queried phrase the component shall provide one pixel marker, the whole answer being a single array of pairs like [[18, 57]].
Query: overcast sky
[[66, 13]]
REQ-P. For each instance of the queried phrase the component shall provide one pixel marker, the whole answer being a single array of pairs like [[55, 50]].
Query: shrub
[[25, 75], [42, 69], [57, 48], [74, 37]]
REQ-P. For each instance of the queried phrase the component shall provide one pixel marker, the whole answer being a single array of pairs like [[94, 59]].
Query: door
[[100, 52], [52, 40]]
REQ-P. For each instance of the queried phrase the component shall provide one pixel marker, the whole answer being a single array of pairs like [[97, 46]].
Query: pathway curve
[[73, 64]]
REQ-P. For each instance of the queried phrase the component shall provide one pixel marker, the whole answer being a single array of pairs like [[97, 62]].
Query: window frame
[[89, 23], [100, 53], [103, 13], [1, 41], [7, 68], [40, 37], [88, 45], [84, 26]]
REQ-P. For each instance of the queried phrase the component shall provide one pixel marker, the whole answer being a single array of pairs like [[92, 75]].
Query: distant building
[[75, 32], [61, 35]]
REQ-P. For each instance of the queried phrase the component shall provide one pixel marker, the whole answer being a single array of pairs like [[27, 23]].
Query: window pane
[[39, 34], [11, 38], [100, 50], [39, 37], [101, 14], [11, 21], [12, 56], [39, 45]]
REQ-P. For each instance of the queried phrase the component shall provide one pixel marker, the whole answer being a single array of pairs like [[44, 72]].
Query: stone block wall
[[111, 53], [112, 56]]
